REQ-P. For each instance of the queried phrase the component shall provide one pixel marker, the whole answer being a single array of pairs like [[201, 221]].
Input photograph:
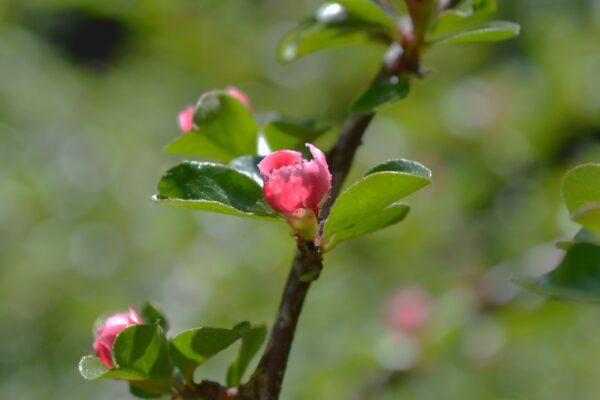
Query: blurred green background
[[89, 93]]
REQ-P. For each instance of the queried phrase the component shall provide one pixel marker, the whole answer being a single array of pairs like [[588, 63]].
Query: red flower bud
[[109, 331], [292, 183], [241, 96], [186, 119]]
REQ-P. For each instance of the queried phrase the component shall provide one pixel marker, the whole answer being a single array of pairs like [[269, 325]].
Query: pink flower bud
[[408, 310], [292, 184], [241, 96], [108, 332], [186, 119]]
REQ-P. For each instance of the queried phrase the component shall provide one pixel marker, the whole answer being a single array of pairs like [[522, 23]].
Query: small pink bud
[[292, 184], [408, 310], [241, 96], [186, 119], [108, 332]]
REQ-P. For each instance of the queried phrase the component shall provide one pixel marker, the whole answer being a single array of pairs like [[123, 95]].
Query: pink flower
[[108, 332], [408, 310], [293, 185], [186, 119], [241, 96]]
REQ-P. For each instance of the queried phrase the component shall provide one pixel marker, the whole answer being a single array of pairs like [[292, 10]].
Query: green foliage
[[224, 129], [337, 23], [152, 314], [252, 340], [577, 278], [192, 347], [283, 134], [213, 187], [489, 32], [140, 352], [380, 94], [364, 206]]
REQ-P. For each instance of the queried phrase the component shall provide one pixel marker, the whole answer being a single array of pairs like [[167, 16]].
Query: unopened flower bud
[[186, 119], [108, 332]]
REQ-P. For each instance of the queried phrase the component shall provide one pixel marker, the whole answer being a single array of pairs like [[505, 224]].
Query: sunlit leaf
[[380, 94], [252, 340], [283, 134], [215, 188], [490, 32], [381, 187], [224, 129]]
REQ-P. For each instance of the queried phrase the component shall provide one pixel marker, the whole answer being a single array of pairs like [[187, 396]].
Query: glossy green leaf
[[282, 134], [337, 23], [490, 32], [153, 314], [144, 349], [225, 129], [389, 216], [380, 94], [213, 187], [143, 393], [452, 20], [577, 278], [588, 216], [581, 186], [252, 340], [93, 369], [193, 347], [248, 165], [381, 187]]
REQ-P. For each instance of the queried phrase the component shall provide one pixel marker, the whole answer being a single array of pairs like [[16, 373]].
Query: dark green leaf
[[484, 7], [381, 187], [143, 393], [144, 349], [581, 186], [577, 278], [193, 347], [337, 23], [225, 129], [213, 187], [153, 314], [490, 32], [389, 216], [248, 165], [582, 236], [281, 134], [380, 94], [252, 340]]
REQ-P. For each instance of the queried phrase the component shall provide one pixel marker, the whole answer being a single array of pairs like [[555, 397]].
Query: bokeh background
[[89, 93]]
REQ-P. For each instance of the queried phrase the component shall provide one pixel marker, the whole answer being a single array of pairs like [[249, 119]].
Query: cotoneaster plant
[[284, 183]]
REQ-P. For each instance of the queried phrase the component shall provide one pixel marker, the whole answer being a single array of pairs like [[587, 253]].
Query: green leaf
[[193, 347], [588, 216], [282, 134], [248, 165], [484, 7], [380, 94], [93, 369], [225, 129], [252, 340], [451, 20], [143, 393], [337, 23], [490, 32], [577, 278], [389, 216], [153, 314], [213, 187], [582, 236], [381, 187], [581, 186], [144, 349]]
